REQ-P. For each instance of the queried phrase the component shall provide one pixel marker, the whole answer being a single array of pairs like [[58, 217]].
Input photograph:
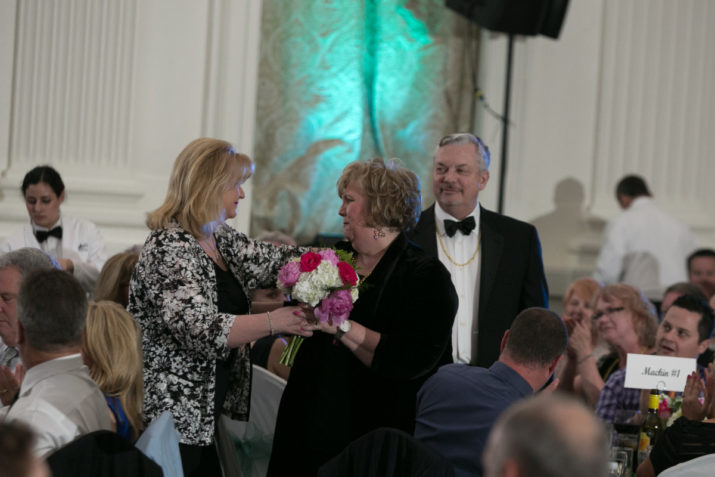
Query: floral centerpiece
[[327, 282], [670, 407]]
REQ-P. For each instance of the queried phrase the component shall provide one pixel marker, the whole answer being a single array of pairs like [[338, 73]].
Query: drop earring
[[377, 233]]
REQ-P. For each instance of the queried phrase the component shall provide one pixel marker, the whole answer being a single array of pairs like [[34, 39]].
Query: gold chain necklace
[[449, 257]]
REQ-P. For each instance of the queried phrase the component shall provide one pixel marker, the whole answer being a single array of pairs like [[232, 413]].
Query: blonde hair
[[586, 288], [392, 192], [202, 172], [111, 348], [116, 272], [645, 323]]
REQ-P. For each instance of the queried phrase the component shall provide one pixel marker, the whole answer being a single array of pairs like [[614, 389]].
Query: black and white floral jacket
[[173, 297]]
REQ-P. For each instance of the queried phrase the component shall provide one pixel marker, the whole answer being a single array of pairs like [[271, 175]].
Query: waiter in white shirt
[[75, 243]]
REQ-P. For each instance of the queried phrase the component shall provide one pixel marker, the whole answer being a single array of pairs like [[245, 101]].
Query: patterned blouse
[[173, 297]]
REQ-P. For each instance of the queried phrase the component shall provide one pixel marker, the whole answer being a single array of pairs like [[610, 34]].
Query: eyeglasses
[[609, 312]]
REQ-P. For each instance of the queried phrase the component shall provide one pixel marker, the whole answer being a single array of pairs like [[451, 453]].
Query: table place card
[[666, 373]]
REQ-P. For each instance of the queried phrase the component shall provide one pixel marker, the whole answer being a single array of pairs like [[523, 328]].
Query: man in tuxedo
[[494, 260]]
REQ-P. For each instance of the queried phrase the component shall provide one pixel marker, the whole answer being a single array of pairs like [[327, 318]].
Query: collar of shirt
[[36, 227], [440, 216], [49, 368]]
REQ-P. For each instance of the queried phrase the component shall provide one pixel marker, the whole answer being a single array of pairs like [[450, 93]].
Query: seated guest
[[457, 407], [626, 320], [364, 375], [113, 280], [57, 398], [16, 456], [693, 434], [685, 332], [111, 349], [553, 436], [75, 243], [14, 266], [701, 270], [677, 290], [586, 352]]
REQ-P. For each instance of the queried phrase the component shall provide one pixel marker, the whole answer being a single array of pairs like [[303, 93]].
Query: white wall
[[625, 89], [109, 92]]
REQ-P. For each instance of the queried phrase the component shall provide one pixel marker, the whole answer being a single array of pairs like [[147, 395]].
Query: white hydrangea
[[316, 285], [354, 294]]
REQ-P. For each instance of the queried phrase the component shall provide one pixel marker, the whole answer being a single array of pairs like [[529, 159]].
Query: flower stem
[[290, 351]]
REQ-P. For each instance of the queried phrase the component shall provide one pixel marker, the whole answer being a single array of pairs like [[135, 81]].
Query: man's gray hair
[[26, 260], [553, 435], [483, 156], [52, 308]]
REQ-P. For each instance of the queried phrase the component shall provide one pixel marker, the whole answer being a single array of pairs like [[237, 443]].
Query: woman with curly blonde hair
[[111, 349]]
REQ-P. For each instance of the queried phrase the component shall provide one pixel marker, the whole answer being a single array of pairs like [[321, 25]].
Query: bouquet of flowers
[[325, 281]]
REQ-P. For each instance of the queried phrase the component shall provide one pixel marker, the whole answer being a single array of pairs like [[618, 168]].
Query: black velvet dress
[[332, 398]]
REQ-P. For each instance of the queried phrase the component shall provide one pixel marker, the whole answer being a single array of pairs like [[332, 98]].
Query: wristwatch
[[342, 329]]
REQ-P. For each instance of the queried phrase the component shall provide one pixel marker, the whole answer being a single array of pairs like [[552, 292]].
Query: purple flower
[[335, 308], [329, 255], [289, 274]]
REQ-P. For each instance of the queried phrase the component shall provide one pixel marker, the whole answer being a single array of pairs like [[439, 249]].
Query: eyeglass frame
[[609, 311]]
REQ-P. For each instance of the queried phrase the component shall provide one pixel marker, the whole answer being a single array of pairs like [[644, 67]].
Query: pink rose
[[335, 308], [288, 274], [347, 274], [309, 261], [329, 255]]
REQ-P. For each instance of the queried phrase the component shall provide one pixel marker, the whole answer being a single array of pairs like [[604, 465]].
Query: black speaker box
[[520, 17]]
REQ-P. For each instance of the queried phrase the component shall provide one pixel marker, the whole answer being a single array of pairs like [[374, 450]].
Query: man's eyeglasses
[[609, 312]]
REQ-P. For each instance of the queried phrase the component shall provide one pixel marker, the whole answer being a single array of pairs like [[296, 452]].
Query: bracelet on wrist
[[270, 323], [582, 360]]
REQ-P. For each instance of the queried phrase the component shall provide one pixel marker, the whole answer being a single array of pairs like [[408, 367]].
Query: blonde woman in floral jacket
[[189, 294]]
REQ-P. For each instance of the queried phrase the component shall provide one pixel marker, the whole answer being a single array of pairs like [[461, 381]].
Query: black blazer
[[512, 274]]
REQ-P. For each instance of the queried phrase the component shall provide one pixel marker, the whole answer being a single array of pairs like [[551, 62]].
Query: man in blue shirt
[[457, 407]]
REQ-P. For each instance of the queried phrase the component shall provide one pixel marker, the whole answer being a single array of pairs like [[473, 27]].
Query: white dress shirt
[[646, 248], [60, 402], [461, 248], [81, 242]]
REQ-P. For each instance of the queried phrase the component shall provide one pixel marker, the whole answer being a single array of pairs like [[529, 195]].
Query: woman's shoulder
[[418, 259], [225, 231]]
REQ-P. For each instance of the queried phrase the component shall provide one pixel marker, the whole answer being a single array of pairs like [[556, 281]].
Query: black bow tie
[[466, 226], [43, 234]]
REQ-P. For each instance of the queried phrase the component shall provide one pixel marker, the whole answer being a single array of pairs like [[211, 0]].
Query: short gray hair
[[553, 435], [52, 308], [483, 156], [26, 260]]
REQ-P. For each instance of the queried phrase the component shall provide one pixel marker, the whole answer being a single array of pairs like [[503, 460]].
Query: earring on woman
[[377, 233]]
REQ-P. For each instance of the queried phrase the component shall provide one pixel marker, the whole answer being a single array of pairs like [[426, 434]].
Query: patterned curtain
[[348, 80]]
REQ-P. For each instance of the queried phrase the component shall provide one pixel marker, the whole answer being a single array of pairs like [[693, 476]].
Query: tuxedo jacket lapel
[[492, 245]]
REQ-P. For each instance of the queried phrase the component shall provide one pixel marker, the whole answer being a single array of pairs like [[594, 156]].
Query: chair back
[[699, 467], [245, 447], [101, 454]]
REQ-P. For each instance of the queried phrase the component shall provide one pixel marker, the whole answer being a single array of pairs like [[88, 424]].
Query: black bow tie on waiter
[[465, 226], [43, 234]]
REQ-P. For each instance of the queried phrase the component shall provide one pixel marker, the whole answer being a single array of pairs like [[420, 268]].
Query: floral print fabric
[[173, 297]]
